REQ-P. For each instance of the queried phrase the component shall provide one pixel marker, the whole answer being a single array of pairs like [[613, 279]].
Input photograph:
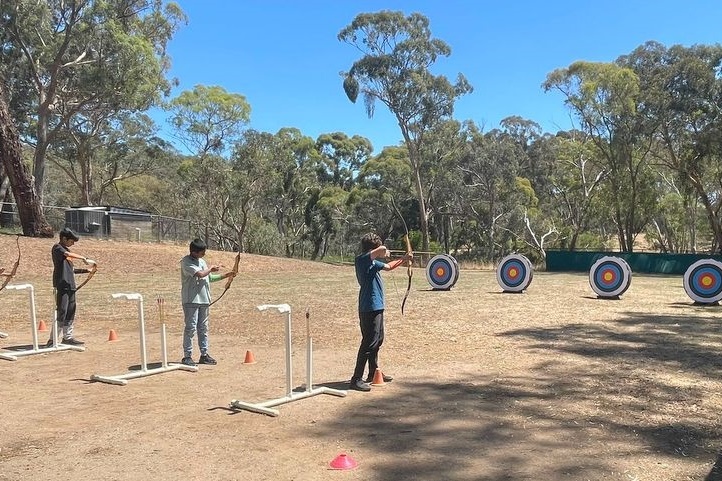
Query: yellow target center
[[513, 272], [706, 281], [608, 276], [440, 271]]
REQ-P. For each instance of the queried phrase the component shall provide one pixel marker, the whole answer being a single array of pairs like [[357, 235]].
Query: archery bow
[[14, 270], [409, 251], [229, 280], [91, 273]]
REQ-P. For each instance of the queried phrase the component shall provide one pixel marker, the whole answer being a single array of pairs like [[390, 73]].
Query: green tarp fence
[[641, 262]]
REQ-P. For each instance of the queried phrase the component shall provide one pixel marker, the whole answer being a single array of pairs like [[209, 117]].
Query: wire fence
[[159, 229]]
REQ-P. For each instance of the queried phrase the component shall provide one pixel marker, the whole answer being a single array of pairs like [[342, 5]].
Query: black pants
[[65, 307], [372, 336]]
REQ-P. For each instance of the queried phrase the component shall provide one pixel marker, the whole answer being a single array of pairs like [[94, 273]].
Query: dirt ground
[[551, 384]]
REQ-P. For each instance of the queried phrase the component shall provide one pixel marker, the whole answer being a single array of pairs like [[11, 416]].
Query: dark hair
[[370, 241], [67, 233], [197, 245]]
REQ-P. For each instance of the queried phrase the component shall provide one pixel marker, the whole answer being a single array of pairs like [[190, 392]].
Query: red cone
[[342, 461]]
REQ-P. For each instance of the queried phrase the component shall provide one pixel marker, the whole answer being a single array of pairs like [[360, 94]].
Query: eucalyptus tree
[[208, 122], [383, 181], [683, 92], [295, 163], [208, 119], [11, 160], [326, 212], [576, 182], [71, 58], [440, 158], [605, 98], [394, 69], [341, 158], [493, 192], [98, 152]]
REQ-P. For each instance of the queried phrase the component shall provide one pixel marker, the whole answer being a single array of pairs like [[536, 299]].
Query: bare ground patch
[[551, 384]]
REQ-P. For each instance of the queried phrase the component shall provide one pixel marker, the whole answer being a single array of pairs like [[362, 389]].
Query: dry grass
[[549, 384]]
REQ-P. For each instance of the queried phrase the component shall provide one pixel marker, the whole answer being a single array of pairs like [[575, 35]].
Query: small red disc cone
[[342, 461]]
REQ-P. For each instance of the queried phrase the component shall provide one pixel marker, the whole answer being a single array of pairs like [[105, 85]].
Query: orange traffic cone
[[42, 327], [112, 336], [378, 378], [249, 358]]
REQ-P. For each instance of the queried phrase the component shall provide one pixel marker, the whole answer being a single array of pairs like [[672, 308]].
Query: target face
[[610, 276], [442, 271], [703, 281], [514, 273]]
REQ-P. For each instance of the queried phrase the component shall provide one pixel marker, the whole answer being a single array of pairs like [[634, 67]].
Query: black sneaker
[[71, 341], [387, 378], [188, 361], [49, 343], [360, 385], [207, 359]]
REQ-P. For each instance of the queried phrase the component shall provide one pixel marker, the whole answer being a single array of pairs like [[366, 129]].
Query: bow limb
[[409, 271], [409, 251], [91, 273], [229, 280], [14, 270]]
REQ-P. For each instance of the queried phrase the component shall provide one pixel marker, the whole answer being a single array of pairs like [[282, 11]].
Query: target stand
[[122, 379], [266, 406], [610, 277], [36, 349], [514, 273], [442, 272], [703, 282]]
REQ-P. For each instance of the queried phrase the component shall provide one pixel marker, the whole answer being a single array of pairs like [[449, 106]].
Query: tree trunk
[[30, 209]]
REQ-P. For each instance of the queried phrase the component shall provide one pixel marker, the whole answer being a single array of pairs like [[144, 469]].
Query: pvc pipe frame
[[122, 379], [56, 347], [265, 407]]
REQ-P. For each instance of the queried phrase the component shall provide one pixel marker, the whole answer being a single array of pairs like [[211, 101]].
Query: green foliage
[[207, 119]]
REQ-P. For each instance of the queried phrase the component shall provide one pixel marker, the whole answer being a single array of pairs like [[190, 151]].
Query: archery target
[[703, 281], [514, 273], [442, 271], [610, 276]]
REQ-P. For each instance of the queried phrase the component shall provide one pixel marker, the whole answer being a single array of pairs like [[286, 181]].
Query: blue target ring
[[442, 272], [514, 273], [610, 277], [703, 281]]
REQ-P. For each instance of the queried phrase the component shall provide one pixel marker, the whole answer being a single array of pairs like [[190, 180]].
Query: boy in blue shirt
[[371, 306]]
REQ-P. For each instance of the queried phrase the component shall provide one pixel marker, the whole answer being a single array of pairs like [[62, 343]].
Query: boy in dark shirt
[[64, 285]]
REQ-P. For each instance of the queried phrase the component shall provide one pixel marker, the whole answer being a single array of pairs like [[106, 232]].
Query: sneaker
[[360, 385], [49, 343], [188, 361], [387, 378], [207, 359], [71, 341]]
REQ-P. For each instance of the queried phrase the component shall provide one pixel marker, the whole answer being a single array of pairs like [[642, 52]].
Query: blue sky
[[284, 57]]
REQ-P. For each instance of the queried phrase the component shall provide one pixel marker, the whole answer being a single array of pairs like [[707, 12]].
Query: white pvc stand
[[14, 355], [265, 407], [122, 379]]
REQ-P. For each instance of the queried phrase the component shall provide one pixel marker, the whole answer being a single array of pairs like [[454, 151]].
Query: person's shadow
[[715, 473]]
